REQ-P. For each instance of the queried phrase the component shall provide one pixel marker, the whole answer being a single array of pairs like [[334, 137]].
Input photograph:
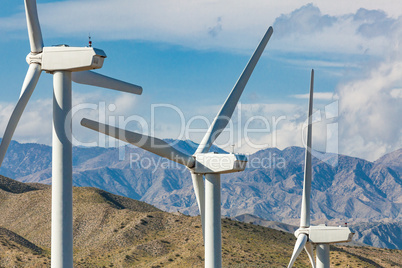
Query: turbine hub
[[34, 58]]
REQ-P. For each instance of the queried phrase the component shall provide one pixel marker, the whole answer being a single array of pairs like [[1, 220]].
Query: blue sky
[[187, 55]]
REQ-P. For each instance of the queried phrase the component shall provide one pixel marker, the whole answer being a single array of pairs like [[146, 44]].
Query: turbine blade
[[199, 190], [300, 242], [34, 32], [305, 208], [224, 115], [309, 249], [151, 144], [31, 79], [99, 80]]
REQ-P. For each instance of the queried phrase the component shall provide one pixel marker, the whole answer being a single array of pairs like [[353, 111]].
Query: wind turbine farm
[[175, 178]]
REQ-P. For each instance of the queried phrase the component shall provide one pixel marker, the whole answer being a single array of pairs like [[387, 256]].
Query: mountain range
[[354, 190]]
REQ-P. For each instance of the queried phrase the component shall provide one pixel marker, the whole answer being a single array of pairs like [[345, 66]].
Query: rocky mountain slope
[[115, 231], [354, 190], [379, 234], [384, 235]]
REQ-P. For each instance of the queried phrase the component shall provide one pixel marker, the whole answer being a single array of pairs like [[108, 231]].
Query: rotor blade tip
[[84, 121]]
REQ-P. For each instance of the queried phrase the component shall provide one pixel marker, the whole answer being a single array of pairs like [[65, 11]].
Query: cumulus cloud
[[374, 23], [369, 105], [370, 110], [305, 20], [307, 29]]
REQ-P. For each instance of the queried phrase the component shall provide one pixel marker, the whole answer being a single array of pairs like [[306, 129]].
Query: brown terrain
[[115, 231]]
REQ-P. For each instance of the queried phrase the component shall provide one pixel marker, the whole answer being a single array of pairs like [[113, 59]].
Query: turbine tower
[[322, 236], [201, 163], [66, 64]]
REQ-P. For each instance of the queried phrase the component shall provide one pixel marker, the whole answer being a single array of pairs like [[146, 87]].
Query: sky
[[187, 56]]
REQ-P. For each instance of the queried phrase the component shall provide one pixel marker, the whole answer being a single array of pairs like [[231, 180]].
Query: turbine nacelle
[[207, 163], [323, 234], [65, 58]]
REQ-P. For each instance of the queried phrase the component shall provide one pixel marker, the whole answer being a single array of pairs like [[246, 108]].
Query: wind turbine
[[66, 64], [201, 163], [322, 236]]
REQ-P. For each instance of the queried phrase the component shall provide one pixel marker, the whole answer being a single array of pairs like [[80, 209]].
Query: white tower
[[322, 236], [66, 64]]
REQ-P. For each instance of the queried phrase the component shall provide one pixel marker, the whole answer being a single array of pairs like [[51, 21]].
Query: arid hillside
[[115, 231]]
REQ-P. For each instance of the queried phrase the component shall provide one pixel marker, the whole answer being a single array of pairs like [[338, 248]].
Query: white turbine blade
[[99, 80], [31, 79], [305, 208], [224, 115], [151, 144], [300, 242], [309, 249], [34, 32], [199, 190]]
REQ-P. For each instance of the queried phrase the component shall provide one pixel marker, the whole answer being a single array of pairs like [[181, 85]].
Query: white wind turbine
[[322, 236], [201, 163], [66, 64]]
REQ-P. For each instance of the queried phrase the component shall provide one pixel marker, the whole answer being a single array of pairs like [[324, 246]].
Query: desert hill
[[116, 231]]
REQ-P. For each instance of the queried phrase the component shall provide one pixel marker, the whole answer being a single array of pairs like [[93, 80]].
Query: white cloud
[[286, 127], [320, 64], [307, 29], [237, 25], [338, 8], [258, 126], [369, 106], [317, 96], [36, 122], [370, 113], [396, 93]]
